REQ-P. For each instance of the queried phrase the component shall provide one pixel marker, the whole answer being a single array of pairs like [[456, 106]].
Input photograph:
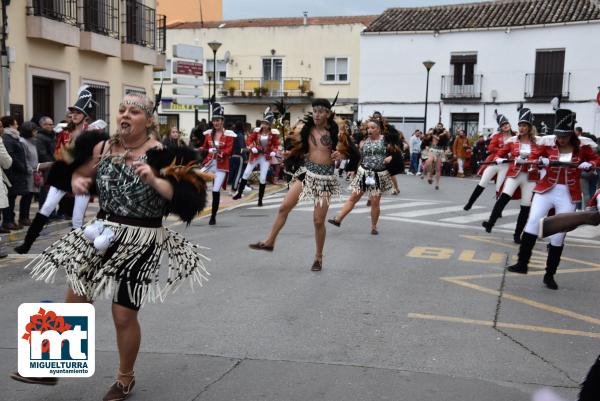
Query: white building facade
[[479, 67]]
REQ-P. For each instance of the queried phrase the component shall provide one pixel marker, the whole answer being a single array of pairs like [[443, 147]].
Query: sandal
[[334, 222], [317, 266], [119, 391], [374, 231], [261, 246]]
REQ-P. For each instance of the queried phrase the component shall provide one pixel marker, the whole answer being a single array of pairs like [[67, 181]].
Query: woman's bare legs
[[319, 216], [290, 200], [129, 336], [348, 206], [438, 172], [375, 210]]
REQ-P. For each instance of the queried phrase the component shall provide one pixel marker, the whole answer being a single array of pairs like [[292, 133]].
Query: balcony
[[264, 91], [139, 33], [461, 88], [100, 30], [543, 87], [53, 20], [161, 57]]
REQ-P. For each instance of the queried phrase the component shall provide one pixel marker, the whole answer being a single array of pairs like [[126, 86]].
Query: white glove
[[500, 160], [520, 160], [585, 166], [212, 150], [254, 150], [544, 161], [272, 154]]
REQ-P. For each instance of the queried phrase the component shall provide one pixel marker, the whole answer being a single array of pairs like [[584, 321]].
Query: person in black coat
[[46, 143], [17, 173]]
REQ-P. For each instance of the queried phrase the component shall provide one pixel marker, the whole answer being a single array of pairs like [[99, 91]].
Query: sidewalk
[[54, 226]]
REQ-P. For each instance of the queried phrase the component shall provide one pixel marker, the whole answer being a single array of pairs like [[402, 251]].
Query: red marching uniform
[[564, 175], [253, 141], [512, 146], [495, 145], [224, 149]]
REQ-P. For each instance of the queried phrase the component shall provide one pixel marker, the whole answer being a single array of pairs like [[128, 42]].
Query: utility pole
[[4, 61]]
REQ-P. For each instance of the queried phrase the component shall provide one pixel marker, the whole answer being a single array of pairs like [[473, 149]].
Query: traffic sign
[[188, 68], [188, 51], [188, 91], [189, 101], [188, 81]]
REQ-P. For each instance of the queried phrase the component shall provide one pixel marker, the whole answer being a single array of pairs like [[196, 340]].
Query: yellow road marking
[[488, 323], [428, 252], [534, 273], [526, 301]]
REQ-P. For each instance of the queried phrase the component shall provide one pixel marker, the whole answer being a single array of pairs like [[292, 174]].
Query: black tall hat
[[85, 102], [268, 116], [218, 111], [501, 119], [525, 116], [564, 123]]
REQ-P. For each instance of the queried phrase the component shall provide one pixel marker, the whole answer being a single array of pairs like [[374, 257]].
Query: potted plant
[[231, 90], [250, 93], [224, 93], [243, 93], [285, 94], [302, 87], [310, 93], [264, 91], [258, 91]]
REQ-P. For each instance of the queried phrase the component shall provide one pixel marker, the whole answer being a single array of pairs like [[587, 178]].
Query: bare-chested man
[[313, 179]]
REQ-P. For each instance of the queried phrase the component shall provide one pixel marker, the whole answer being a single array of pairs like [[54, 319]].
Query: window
[[166, 74], [221, 69], [336, 69], [549, 73], [463, 66], [135, 90], [101, 95]]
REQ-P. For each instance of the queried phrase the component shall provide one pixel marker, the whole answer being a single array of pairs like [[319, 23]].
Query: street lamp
[[428, 64], [214, 45]]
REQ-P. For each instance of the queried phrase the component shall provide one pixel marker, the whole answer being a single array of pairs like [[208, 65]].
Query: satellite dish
[[555, 102], [227, 56]]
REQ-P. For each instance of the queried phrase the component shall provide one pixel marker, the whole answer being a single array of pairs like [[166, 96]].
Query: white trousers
[[558, 198], [53, 199], [491, 171], [264, 168], [520, 181], [219, 176], [461, 165]]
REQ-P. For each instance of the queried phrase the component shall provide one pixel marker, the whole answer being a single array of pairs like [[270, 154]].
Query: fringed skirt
[[130, 266], [382, 182], [319, 183]]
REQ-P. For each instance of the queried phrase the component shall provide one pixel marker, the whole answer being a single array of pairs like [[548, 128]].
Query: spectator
[[415, 152], [173, 139], [459, 148], [17, 173], [479, 152], [236, 162], [589, 178], [5, 163], [45, 143], [34, 178]]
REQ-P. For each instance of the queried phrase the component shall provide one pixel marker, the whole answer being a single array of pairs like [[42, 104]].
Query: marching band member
[[488, 172], [218, 142], [559, 189], [263, 143], [519, 175]]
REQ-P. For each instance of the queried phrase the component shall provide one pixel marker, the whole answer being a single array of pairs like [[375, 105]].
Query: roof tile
[[275, 22]]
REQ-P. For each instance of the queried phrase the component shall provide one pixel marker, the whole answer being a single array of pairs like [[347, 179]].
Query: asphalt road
[[422, 311]]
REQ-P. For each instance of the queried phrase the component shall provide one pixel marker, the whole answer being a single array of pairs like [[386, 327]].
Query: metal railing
[[101, 95], [139, 24], [101, 16], [259, 86], [462, 88], [58, 10], [544, 86], [161, 26]]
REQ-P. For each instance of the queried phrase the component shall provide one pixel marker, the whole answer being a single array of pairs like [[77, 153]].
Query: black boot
[[554, 254], [527, 244], [521, 222], [261, 193], [496, 212], [240, 191], [216, 198], [33, 232], [476, 193]]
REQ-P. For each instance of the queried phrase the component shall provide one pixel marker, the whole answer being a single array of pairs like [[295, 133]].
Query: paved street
[[421, 312]]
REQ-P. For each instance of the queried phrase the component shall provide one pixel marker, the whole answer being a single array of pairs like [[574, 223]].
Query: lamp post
[[428, 64], [214, 45]]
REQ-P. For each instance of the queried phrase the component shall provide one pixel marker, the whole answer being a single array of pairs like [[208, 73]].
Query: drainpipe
[[4, 61], [305, 13]]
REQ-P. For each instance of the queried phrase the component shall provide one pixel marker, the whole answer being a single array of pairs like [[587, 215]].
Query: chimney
[[305, 13]]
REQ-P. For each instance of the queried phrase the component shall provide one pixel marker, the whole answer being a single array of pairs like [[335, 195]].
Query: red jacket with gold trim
[[495, 145], [253, 141], [512, 146], [224, 148], [567, 175]]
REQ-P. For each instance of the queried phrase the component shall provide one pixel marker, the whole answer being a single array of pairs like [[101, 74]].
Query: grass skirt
[[383, 182], [319, 183]]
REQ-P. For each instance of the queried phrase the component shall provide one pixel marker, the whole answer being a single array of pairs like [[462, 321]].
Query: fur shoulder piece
[[83, 148], [275, 131], [513, 139], [180, 167], [588, 141], [230, 133], [546, 140], [207, 132]]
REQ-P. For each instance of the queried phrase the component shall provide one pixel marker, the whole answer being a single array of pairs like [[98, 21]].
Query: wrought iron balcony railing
[[547, 86], [58, 10], [139, 24], [102, 17], [461, 87]]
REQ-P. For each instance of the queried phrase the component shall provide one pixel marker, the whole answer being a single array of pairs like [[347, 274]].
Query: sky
[[241, 9]]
